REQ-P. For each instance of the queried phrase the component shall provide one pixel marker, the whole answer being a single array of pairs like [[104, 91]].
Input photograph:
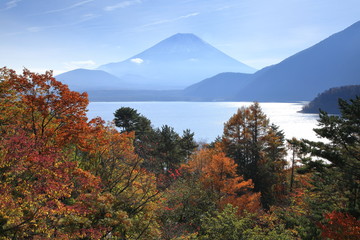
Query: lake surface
[[206, 119]]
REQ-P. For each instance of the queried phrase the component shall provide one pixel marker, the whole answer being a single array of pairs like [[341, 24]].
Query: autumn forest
[[63, 176]]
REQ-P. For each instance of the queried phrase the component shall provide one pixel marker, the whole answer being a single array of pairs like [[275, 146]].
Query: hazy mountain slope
[[136, 95], [84, 79], [328, 100], [176, 62], [333, 62], [219, 87]]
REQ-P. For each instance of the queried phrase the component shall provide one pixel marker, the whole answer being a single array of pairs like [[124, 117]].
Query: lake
[[206, 119]]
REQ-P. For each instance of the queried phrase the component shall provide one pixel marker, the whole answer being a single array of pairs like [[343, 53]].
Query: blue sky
[[66, 34]]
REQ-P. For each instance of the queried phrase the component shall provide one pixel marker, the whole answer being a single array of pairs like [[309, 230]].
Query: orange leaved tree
[[258, 149], [217, 173], [44, 108]]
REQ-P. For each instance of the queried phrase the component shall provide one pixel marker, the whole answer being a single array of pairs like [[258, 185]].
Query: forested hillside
[[328, 101], [64, 176]]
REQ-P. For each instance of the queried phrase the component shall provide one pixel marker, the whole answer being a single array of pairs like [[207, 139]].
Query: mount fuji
[[175, 63]]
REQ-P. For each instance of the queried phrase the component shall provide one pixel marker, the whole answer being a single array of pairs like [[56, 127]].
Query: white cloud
[[137, 60], [79, 64], [88, 16], [187, 16], [123, 4], [78, 4], [11, 4], [193, 60], [83, 18], [34, 29], [222, 8], [172, 20]]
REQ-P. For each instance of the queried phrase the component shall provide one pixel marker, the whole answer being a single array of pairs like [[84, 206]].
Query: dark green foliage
[[187, 143], [163, 149], [217, 140], [300, 221], [186, 204], [226, 224], [342, 153], [330, 171], [272, 168], [167, 148], [128, 119], [275, 150]]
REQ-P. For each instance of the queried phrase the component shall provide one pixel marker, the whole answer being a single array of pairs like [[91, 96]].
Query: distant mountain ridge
[[85, 80], [221, 87], [332, 62]]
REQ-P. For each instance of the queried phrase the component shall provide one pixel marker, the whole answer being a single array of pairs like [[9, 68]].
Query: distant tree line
[[328, 100]]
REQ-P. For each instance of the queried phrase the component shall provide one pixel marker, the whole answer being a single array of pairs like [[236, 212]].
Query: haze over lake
[[207, 119]]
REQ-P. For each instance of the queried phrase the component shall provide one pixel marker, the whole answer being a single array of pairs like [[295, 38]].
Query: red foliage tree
[[43, 194], [340, 226]]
